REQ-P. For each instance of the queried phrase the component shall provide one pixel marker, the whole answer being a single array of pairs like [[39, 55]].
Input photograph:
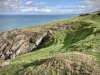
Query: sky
[[48, 6]]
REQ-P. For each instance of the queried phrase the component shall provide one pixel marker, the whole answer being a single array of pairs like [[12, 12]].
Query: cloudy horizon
[[48, 7]]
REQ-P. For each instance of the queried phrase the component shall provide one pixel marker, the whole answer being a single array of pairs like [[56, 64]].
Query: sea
[[9, 22]]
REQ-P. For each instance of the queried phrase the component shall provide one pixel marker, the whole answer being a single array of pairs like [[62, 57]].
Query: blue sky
[[48, 6]]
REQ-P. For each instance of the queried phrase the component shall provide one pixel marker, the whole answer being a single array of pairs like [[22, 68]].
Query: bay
[[8, 22]]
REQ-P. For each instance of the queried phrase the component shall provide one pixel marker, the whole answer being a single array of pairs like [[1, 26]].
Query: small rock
[[2, 57], [4, 64], [12, 56]]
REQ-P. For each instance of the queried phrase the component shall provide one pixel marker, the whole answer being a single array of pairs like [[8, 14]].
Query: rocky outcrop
[[17, 42]]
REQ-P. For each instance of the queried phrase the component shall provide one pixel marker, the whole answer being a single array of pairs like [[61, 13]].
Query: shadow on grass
[[77, 35], [35, 63], [32, 64]]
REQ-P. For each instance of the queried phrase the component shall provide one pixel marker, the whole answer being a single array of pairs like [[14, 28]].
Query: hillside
[[66, 47]]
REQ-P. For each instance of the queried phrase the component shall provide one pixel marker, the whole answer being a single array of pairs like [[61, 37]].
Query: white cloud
[[10, 4], [38, 5], [71, 11], [85, 6], [21, 6], [27, 10], [46, 10], [30, 3], [36, 9], [41, 5], [82, 6], [92, 4]]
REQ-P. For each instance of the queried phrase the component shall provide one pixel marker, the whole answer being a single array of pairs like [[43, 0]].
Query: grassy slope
[[82, 36]]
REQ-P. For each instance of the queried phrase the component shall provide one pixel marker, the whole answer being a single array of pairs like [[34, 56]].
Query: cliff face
[[16, 42]]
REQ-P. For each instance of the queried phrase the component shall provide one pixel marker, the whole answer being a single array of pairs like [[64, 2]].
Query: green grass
[[82, 36], [64, 64]]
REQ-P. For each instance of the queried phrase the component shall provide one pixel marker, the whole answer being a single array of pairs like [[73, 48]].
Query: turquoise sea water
[[8, 22]]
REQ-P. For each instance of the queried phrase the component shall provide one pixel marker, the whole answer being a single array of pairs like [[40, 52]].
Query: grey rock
[[2, 57], [17, 42], [4, 64], [12, 56], [23, 49], [3, 46]]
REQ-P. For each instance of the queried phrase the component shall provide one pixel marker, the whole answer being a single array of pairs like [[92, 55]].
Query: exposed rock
[[2, 57], [23, 49], [4, 64], [12, 55], [3, 46], [17, 42]]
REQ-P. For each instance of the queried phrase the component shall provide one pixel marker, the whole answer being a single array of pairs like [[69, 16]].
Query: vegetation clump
[[84, 14], [71, 63]]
